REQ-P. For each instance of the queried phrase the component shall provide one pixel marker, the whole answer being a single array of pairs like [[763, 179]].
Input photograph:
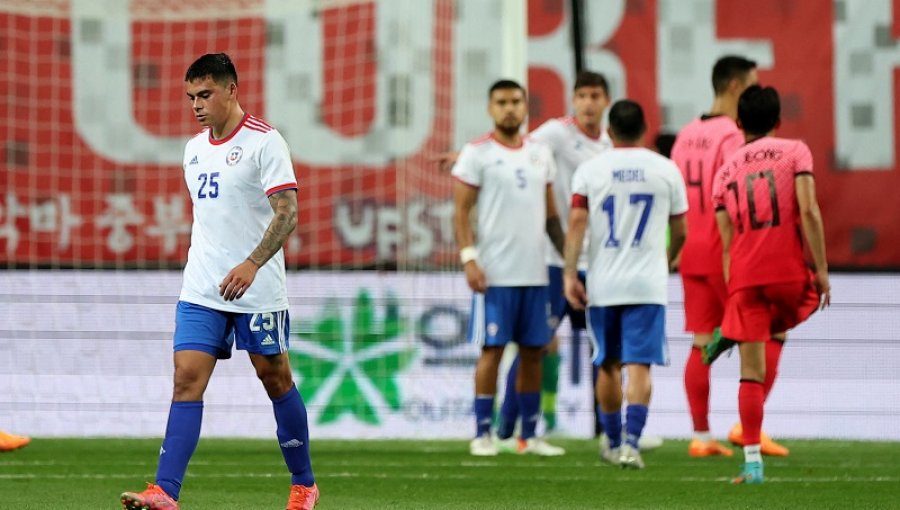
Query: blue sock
[[509, 411], [530, 405], [293, 436], [484, 414], [635, 418], [182, 436], [612, 425]]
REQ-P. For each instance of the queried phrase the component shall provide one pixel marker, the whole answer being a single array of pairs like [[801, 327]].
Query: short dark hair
[[626, 120], [663, 143], [729, 68], [216, 65], [759, 110], [505, 85], [591, 79]]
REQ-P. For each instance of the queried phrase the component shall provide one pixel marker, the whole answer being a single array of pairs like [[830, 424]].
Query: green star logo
[[352, 369]]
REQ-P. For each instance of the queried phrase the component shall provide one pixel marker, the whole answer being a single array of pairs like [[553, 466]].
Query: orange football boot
[[10, 442], [710, 448], [766, 445], [303, 497], [154, 498]]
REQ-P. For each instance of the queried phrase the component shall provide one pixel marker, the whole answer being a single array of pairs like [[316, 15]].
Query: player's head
[[759, 110], [211, 86], [663, 143], [732, 75], [507, 105], [626, 122], [590, 98]]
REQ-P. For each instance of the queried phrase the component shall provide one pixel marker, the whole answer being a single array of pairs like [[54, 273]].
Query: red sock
[[750, 407], [696, 385], [773, 356]]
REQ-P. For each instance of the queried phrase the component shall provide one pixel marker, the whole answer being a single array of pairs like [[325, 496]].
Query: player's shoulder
[[199, 137], [258, 125], [481, 142], [537, 146]]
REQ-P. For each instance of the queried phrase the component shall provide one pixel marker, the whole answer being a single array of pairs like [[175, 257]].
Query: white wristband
[[468, 254]]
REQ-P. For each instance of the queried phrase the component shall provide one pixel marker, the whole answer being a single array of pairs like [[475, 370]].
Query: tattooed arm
[[284, 203]]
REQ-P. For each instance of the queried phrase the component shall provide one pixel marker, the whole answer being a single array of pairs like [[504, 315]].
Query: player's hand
[[238, 280], [823, 286], [475, 277], [574, 290], [445, 160]]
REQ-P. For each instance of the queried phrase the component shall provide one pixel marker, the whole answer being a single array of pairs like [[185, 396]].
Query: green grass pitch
[[249, 474]]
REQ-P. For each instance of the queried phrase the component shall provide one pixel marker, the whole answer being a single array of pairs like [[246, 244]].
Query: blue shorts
[[198, 328], [559, 307], [629, 333], [504, 314]]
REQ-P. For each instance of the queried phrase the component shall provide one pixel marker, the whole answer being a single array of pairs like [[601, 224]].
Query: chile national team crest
[[234, 155]]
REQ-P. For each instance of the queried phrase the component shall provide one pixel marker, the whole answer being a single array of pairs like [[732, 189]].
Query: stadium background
[[94, 222]]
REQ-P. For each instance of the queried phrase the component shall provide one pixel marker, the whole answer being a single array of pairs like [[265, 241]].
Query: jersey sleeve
[[718, 186], [579, 188], [678, 197], [276, 171], [803, 163], [550, 164], [546, 133], [468, 168]]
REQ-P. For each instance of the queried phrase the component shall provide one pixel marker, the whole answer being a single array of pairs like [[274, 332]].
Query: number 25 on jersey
[[209, 185]]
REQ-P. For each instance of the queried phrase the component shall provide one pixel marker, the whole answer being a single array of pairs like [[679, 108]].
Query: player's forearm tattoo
[[557, 236], [284, 203]]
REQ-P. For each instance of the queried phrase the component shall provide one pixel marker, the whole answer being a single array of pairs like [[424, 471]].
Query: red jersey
[[699, 151], [756, 186]]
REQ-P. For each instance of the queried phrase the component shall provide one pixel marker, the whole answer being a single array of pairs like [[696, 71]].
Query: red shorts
[[704, 302], [753, 314]]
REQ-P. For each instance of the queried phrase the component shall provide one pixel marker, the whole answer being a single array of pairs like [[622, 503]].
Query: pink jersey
[[699, 151], [756, 186]]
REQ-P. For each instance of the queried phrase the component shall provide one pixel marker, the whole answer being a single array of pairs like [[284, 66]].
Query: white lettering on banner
[[119, 215], [168, 212], [687, 49], [477, 58], [9, 211], [294, 82], [599, 30], [101, 62], [865, 56], [55, 215], [419, 227], [294, 85], [49, 215]]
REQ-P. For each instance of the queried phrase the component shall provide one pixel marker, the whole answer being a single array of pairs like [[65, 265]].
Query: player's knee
[[189, 384], [276, 381]]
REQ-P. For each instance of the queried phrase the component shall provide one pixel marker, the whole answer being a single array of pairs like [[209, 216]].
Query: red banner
[[70, 201]]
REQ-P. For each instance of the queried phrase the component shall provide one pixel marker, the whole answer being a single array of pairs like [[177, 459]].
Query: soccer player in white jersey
[[241, 180], [509, 178], [573, 140], [627, 196]]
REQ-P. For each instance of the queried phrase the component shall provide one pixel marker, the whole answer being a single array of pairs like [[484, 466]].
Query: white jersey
[[229, 181], [630, 193], [571, 147], [512, 211]]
